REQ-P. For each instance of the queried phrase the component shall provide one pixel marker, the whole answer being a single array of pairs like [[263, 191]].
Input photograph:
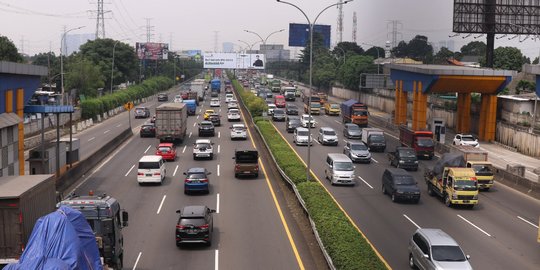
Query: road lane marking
[[374, 160], [184, 150], [119, 125], [530, 223], [216, 264], [175, 169], [161, 204], [147, 149], [137, 261], [217, 204], [218, 170], [130, 170], [418, 227], [365, 182], [219, 134], [198, 116], [194, 124], [190, 133], [317, 141], [218, 148], [107, 131], [200, 109], [91, 138], [337, 121], [219, 110], [472, 224]]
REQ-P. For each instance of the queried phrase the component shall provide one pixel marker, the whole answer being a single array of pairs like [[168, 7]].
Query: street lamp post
[[311, 68], [62, 60], [250, 46], [266, 39], [376, 48]]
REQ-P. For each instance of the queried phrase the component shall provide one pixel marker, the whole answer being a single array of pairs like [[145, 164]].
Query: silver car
[[352, 131], [357, 152], [203, 148], [327, 136], [238, 131], [434, 249]]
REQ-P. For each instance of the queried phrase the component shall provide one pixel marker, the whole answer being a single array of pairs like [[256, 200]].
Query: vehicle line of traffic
[[218, 170], [410, 220], [184, 150], [218, 148], [119, 125], [190, 133], [91, 139], [472, 224], [137, 261], [161, 204], [216, 260], [217, 203], [528, 222], [106, 131]]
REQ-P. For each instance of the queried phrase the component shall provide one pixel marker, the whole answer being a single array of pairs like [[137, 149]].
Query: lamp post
[[337, 47], [250, 46], [112, 65], [266, 39], [376, 48], [62, 60], [311, 67]]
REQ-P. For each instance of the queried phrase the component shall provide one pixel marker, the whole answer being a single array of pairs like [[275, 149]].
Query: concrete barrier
[[79, 126], [91, 122], [98, 118], [74, 129]]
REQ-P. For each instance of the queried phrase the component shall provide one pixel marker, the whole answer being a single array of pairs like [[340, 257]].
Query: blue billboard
[[299, 34]]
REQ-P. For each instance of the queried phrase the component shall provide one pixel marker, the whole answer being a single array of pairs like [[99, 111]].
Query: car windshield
[[425, 142], [246, 157], [195, 222], [203, 146], [206, 125], [329, 132], [343, 166], [198, 175], [315, 104], [303, 133], [147, 127], [233, 111], [279, 111], [164, 149], [409, 153], [358, 146], [292, 107], [465, 184], [334, 106], [467, 138], [139, 110], [447, 254], [308, 118], [353, 128], [405, 180]]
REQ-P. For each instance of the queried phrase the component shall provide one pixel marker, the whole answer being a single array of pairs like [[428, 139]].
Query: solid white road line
[[365, 182], [161, 204], [106, 131], [137, 261], [130, 170], [219, 134], [190, 133], [374, 160], [147, 149], [418, 227], [472, 224], [217, 260], [175, 169], [317, 141], [218, 148], [91, 138], [119, 125], [184, 150], [526, 221], [217, 204], [194, 124], [337, 121], [198, 116], [218, 170]]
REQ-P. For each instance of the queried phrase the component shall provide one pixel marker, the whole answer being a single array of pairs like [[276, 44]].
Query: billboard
[[152, 51], [299, 34], [234, 60]]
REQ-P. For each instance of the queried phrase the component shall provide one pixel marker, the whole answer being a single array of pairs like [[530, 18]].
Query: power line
[[20, 10]]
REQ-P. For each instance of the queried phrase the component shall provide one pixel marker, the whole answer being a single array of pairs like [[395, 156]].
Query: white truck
[[198, 87], [374, 139]]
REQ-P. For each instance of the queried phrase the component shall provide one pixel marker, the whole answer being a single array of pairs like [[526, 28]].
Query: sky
[[36, 26]]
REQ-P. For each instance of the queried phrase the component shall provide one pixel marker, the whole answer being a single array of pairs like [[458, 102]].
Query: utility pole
[[22, 44], [395, 32], [340, 22], [355, 23], [216, 33]]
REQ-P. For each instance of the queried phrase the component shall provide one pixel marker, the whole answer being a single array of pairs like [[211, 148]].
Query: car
[[207, 114], [167, 151], [228, 97], [238, 131], [307, 121], [327, 136], [232, 105], [352, 131], [434, 249], [142, 112], [404, 157], [202, 148], [280, 102], [301, 136], [271, 108], [400, 185], [357, 151], [214, 102], [162, 97], [233, 115], [291, 109], [246, 162], [269, 94], [292, 122], [215, 119], [214, 94], [153, 119], [206, 128], [178, 99], [466, 139], [148, 130], [278, 115], [233, 100], [195, 225], [184, 95], [228, 90]]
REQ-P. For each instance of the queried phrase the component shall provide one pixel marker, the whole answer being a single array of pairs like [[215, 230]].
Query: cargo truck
[[420, 140], [452, 181], [289, 93], [374, 139], [197, 86], [355, 112], [275, 86], [171, 122], [23, 200], [215, 85], [314, 105], [478, 160]]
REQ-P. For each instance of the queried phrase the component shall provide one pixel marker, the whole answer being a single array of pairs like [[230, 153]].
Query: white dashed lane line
[[161, 204], [130, 170], [147, 149], [175, 169], [528, 222], [91, 139], [191, 133], [184, 150], [218, 148], [418, 227], [365, 182], [106, 131]]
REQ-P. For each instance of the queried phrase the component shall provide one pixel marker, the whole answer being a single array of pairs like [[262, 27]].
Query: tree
[[420, 50], [51, 61], [401, 50], [346, 47], [324, 70], [509, 58], [82, 74], [318, 44], [442, 56], [475, 48], [8, 51], [375, 52], [349, 73]]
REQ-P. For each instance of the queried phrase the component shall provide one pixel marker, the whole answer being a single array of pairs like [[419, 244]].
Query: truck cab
[[477, 159]]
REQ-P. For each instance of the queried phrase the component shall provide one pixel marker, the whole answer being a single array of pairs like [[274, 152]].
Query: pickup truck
[[246, 163], [404, 157]]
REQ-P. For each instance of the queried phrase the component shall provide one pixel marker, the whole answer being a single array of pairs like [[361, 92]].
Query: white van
[[229, 97], [151, 169], [339, 169]]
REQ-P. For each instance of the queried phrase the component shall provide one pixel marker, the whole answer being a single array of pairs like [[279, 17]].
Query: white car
[[466, 139], [178, 99], [214, 102], [302, 137], [271, 108], [307, 121], [238, 131], [232, 105], [233, 115], [203, 148], [229, 97]]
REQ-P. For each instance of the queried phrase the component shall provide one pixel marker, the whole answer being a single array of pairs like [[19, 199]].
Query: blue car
[[197, 180], [191, 105]]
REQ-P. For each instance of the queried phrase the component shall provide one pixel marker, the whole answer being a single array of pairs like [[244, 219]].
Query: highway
[[254, 227], [499, 233]]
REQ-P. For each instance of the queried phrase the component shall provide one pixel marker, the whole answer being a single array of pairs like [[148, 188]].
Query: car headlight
[[417, 193], [475, 197], [401, 161], [399, 192], [416, 161]]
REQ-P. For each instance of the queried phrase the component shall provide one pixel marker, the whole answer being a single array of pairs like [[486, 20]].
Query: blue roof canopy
[[48, 109]]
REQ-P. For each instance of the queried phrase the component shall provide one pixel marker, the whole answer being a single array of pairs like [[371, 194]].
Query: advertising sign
[[234, 60], [299, 34], [152, 51]]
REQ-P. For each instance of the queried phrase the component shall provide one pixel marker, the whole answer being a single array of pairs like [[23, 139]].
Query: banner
[[152, 51], [234, 60]]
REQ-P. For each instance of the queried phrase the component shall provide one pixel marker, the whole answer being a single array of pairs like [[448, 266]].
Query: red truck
[[355, 112], [420, 140]]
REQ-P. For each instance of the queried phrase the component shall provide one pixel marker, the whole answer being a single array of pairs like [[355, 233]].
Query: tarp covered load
[[448, 160], [60, 240]]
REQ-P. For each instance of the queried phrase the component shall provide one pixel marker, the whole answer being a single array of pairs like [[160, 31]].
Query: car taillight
[[157, 173], [180, 227], [256, 167], [203, 227], [237, 167], [140, 173], [187, 181], [204, 180]]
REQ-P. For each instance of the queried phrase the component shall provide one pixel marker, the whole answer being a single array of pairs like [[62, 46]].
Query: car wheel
[[211, 156], [411, 262], [256, 175], [447, 201], [430, 190]]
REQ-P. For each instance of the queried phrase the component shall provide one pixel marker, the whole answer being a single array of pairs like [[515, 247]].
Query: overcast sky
[[36, 25]]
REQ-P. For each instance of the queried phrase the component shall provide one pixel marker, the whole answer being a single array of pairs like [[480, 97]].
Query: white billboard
[[234, 60]]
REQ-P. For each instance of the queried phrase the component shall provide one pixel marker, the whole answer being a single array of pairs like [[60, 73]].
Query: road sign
[[128, 106]]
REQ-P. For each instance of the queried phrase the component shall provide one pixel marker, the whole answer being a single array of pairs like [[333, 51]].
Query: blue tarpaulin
[[60, 240]]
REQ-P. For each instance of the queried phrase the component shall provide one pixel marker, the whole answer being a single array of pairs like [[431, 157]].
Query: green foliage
[[84, 76], [509, 58], [8, 51], [418, 49], [442, 55], [474, 48], [349, 73], [346, 46], [525, 86]]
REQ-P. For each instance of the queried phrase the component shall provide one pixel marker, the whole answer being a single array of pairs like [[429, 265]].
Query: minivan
[[400, 185], [151, 169], [434, 249], [339, 169]]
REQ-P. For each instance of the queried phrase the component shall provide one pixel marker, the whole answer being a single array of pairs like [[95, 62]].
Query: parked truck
[[215, 85], [374, 139], [420, 140], [23, 200], [452, 181], [355, 112], [171, 122], [477, 159]]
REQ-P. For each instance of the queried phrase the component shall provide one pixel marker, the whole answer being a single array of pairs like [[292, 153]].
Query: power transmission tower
[[149, 30], [100, 19], [340, 22], [354, 27], [22, 44], [216, 33], [395, 33]]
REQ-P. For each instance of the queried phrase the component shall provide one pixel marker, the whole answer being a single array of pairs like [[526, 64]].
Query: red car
[[184, 95], [280, 101], [167, 151]]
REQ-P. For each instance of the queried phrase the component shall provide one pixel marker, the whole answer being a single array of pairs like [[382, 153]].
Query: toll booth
[[72, 153], [42, 159], [438, 127]]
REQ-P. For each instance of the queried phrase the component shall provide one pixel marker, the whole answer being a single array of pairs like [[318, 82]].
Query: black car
[[291, 109], [206, 128], [162, 97], [195, 225], [148, 130], [278, 115], [400, 185], [215, 119], [292, 123]]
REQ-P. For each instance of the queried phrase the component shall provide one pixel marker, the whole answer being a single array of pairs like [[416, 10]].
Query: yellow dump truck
[[477, 159]]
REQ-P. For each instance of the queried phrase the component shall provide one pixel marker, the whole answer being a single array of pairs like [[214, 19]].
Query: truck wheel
[[447, 201], [120, 262], [430, 190]]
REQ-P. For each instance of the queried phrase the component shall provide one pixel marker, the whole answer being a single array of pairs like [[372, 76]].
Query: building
[[74, 41], [273, 52]]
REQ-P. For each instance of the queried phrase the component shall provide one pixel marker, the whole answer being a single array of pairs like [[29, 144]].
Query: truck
[[404, 157], [107, 219], [171, 122], [355, 112], [275, 86], [23, 200], [198, 86], [477, 159], [374, 139], [215, 85], [314, 105], [191, 105], [452, 181], [420, 140], [289, 93], [323, 97]]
